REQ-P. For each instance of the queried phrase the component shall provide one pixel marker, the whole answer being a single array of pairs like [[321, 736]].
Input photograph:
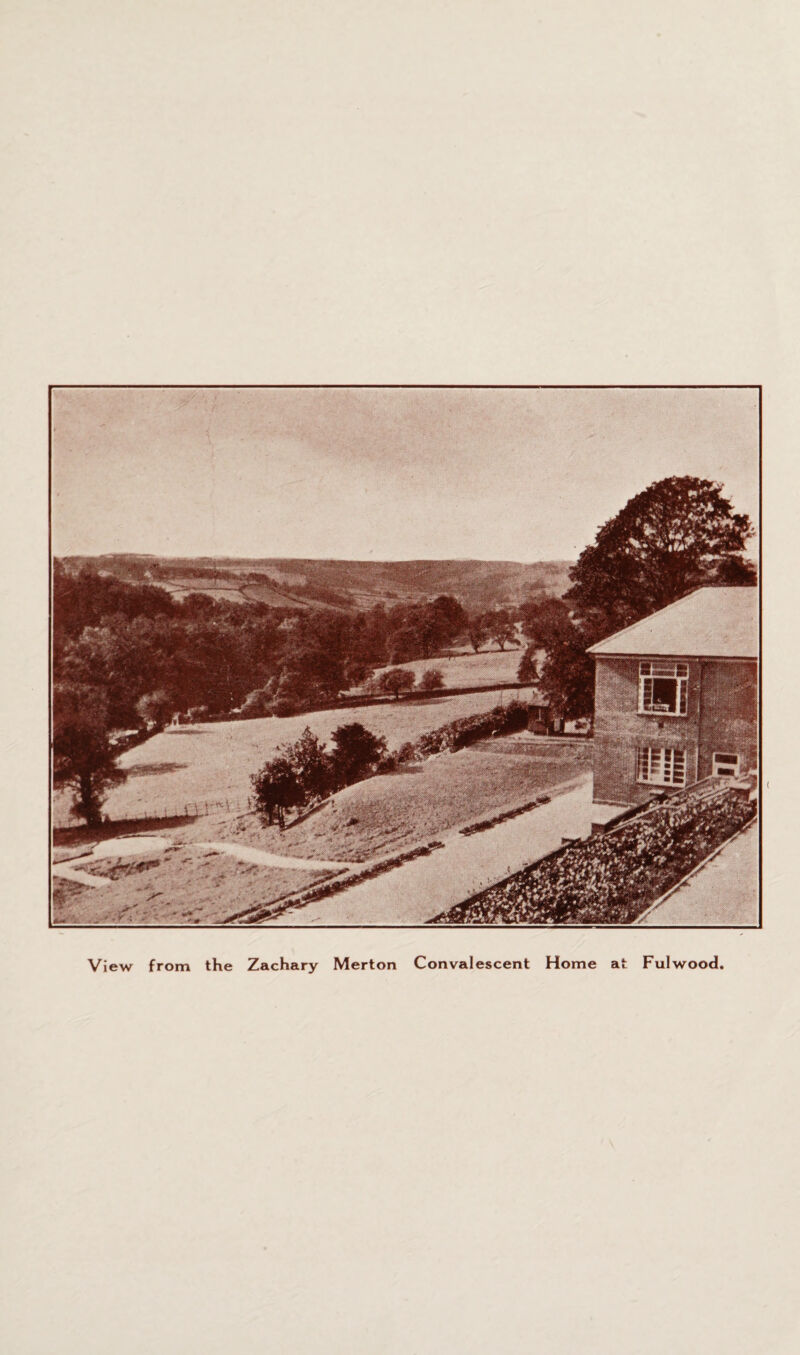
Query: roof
[[709, 623]]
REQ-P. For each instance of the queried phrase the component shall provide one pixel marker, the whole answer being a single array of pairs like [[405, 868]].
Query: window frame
[[656, 766], [733, 758], [654, 670]]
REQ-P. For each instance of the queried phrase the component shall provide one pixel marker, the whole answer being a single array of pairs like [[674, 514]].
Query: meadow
[[468, 669], [385, 815], [193, 764], [390, 813]]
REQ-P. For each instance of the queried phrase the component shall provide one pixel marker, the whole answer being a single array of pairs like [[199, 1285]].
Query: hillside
[[478, 584]]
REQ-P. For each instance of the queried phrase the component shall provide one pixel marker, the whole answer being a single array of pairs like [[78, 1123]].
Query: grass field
[[468, 669], [184, 886], [189, 884], [390, 813], [214, 761]]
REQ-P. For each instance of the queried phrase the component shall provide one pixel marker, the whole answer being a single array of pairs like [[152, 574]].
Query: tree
[[541, 617], [396, 680], [528, 670], [276, 789], [311, 764], [567, 677], [678, 534], [356, 753], [431, 680], [257, 703], [500, 627], [476, 629], [406, 643], [83, 758], [156, 707]]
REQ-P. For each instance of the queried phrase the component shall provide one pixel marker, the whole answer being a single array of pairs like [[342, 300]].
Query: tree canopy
[[676, 535], [83, 757]]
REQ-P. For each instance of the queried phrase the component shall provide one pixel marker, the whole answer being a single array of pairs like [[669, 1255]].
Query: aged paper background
[[425, 193]]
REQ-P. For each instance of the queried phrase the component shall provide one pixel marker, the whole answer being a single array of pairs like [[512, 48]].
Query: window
[[661, 766], [725, 764], [663, 688]]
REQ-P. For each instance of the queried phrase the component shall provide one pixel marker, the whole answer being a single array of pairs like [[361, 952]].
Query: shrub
[[431, 680], [256, 703]]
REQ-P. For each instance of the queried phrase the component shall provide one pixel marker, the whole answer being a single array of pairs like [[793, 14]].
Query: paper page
[[385, 285]]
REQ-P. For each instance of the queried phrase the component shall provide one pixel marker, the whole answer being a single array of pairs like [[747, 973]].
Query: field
[[181, 887], [478, 584], [468, 669], [195, 763], [387, 814], [382, 816]]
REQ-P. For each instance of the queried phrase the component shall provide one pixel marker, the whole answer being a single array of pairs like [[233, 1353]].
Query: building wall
[[721, 717], [729, 712]]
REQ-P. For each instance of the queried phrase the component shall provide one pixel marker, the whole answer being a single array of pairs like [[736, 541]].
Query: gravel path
[[261, 858]]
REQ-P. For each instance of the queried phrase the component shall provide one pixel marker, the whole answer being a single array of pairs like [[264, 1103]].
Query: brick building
[[676, 698]]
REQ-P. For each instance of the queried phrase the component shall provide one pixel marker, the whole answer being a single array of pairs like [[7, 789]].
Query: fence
[[190, 809]]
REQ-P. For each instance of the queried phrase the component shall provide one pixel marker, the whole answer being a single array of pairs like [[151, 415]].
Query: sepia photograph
[[399, 656]]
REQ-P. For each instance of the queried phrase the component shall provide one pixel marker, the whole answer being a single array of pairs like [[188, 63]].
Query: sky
[[377, 473]]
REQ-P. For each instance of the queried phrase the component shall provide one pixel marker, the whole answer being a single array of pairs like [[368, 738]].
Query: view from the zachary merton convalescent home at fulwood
[[379, 656]]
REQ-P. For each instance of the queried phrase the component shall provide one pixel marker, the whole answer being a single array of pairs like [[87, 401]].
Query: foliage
[[83, 757], [356, 753], [395, 681], [305, 771], [678, 534], [431, 680], [132, 639], [156, 707], [477, 630], [311, 764], [500, 627], [461, 733], [276, 788], [528, 670]]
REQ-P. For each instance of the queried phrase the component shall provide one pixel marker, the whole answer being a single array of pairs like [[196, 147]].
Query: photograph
[[404, 656]]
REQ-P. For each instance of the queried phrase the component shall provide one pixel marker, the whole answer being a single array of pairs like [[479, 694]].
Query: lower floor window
[[725, 764], [662, 766]]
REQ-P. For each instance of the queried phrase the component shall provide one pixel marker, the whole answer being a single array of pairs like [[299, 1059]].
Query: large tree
[[276, 788], [678, 534], [357, 753], [395, 681], [83, 757]]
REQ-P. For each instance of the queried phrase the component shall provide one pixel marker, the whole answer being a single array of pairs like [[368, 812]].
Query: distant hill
[[478, 584]]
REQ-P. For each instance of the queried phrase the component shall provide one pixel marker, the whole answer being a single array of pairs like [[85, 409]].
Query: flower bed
[[612, 878]]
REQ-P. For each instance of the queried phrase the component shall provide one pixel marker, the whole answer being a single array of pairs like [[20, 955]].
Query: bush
[[461, 733], [431, 680], [256, 703]]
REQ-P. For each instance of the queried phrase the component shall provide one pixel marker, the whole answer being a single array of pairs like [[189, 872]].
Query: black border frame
[[232, 929]]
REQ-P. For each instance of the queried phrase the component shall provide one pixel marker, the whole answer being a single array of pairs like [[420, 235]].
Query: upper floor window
[[663, 688]]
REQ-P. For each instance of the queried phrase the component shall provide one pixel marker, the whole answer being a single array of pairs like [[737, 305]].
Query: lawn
[[197, 763], [387, 814], [382, 816], [183, 886]]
